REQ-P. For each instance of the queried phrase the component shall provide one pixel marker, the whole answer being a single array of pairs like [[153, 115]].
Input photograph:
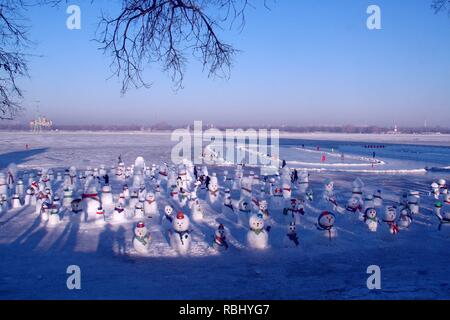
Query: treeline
[[6, 125]]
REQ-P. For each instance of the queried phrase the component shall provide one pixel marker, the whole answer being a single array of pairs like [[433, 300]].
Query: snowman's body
[[119, 214], [227, 200], [287, 190], [4, 189], [257, 236], [371, 219], [91, 202], [15, 202], [29, 197], [20, 188], [100, 216], [277, 200], [141, 240], [414, 202], [303, 182], [67, 198], [180, 237], [442, 211], [192, 199], [45, 212], [53, 219], [294, 210]]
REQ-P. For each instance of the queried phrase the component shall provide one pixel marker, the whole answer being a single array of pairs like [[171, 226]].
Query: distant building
[[41, 123]]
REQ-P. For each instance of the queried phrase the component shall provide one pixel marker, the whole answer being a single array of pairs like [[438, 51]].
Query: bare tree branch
[[166, 32]]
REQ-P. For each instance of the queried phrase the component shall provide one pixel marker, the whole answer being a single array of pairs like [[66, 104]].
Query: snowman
[[91, 202], [107, 199], [354, 205], [134, 198], [443, 214], [51, 174], [220, 241], [180, 237], [414, 202], [100, 216], [56, 201], [142, 191], [390, 215], [150, 205], [287, 190], [263, 208], [277, 200], [45, 211], [141, 240], [246, 188], [227, 201], [405, 218], [377, 199], [257, 236], [197, 211], [184, 196], [122, 200], [435, 190], [41, 198], [325, 224], [357, 189], [20, 188], [174, 194], [291, 238], [368, 202], [213, 190], [15, 202], [294, 211], [53, 218], [119, 214], [443, 186], [67, 198], [3, 184], [29, 197], [303, 181], [126, 191], [167, 218], [59, 177], [3, 203], [328, 198], [370, 219], [192, 198]]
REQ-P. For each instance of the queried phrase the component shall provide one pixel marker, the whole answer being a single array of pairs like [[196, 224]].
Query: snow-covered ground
[[414, 264]]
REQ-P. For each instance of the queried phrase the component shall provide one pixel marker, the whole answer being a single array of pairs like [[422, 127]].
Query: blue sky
[[304, 62]]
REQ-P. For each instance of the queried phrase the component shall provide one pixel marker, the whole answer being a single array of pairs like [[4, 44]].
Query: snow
[[413, 263]]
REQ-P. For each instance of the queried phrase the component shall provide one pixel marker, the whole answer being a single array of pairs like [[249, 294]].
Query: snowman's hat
[[326, 213], [221, 227], [180, 215], [292, 224], [140, 224], [260, 216], [438, 204]]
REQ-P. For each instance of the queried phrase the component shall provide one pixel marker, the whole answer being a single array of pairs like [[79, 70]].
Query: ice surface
[[413, 264]]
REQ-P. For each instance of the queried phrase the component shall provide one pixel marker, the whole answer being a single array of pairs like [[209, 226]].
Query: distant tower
[[395, 129]]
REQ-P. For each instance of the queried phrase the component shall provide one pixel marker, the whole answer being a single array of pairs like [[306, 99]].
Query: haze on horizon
[[303, 62]]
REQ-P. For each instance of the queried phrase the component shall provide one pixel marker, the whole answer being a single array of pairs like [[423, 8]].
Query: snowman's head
[[220, 231], [30, 191], [181, 222], [434, 186], [292, 228], [244, 205], [371, 213], [329, 185], [390, 213], [327, 219], [404, 211], [368, 199], [168, 210], [353, 203], [256, 222], [262, 205], [150, 196], [106, 189], [213, 186], [442, 182], [140, 230]]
